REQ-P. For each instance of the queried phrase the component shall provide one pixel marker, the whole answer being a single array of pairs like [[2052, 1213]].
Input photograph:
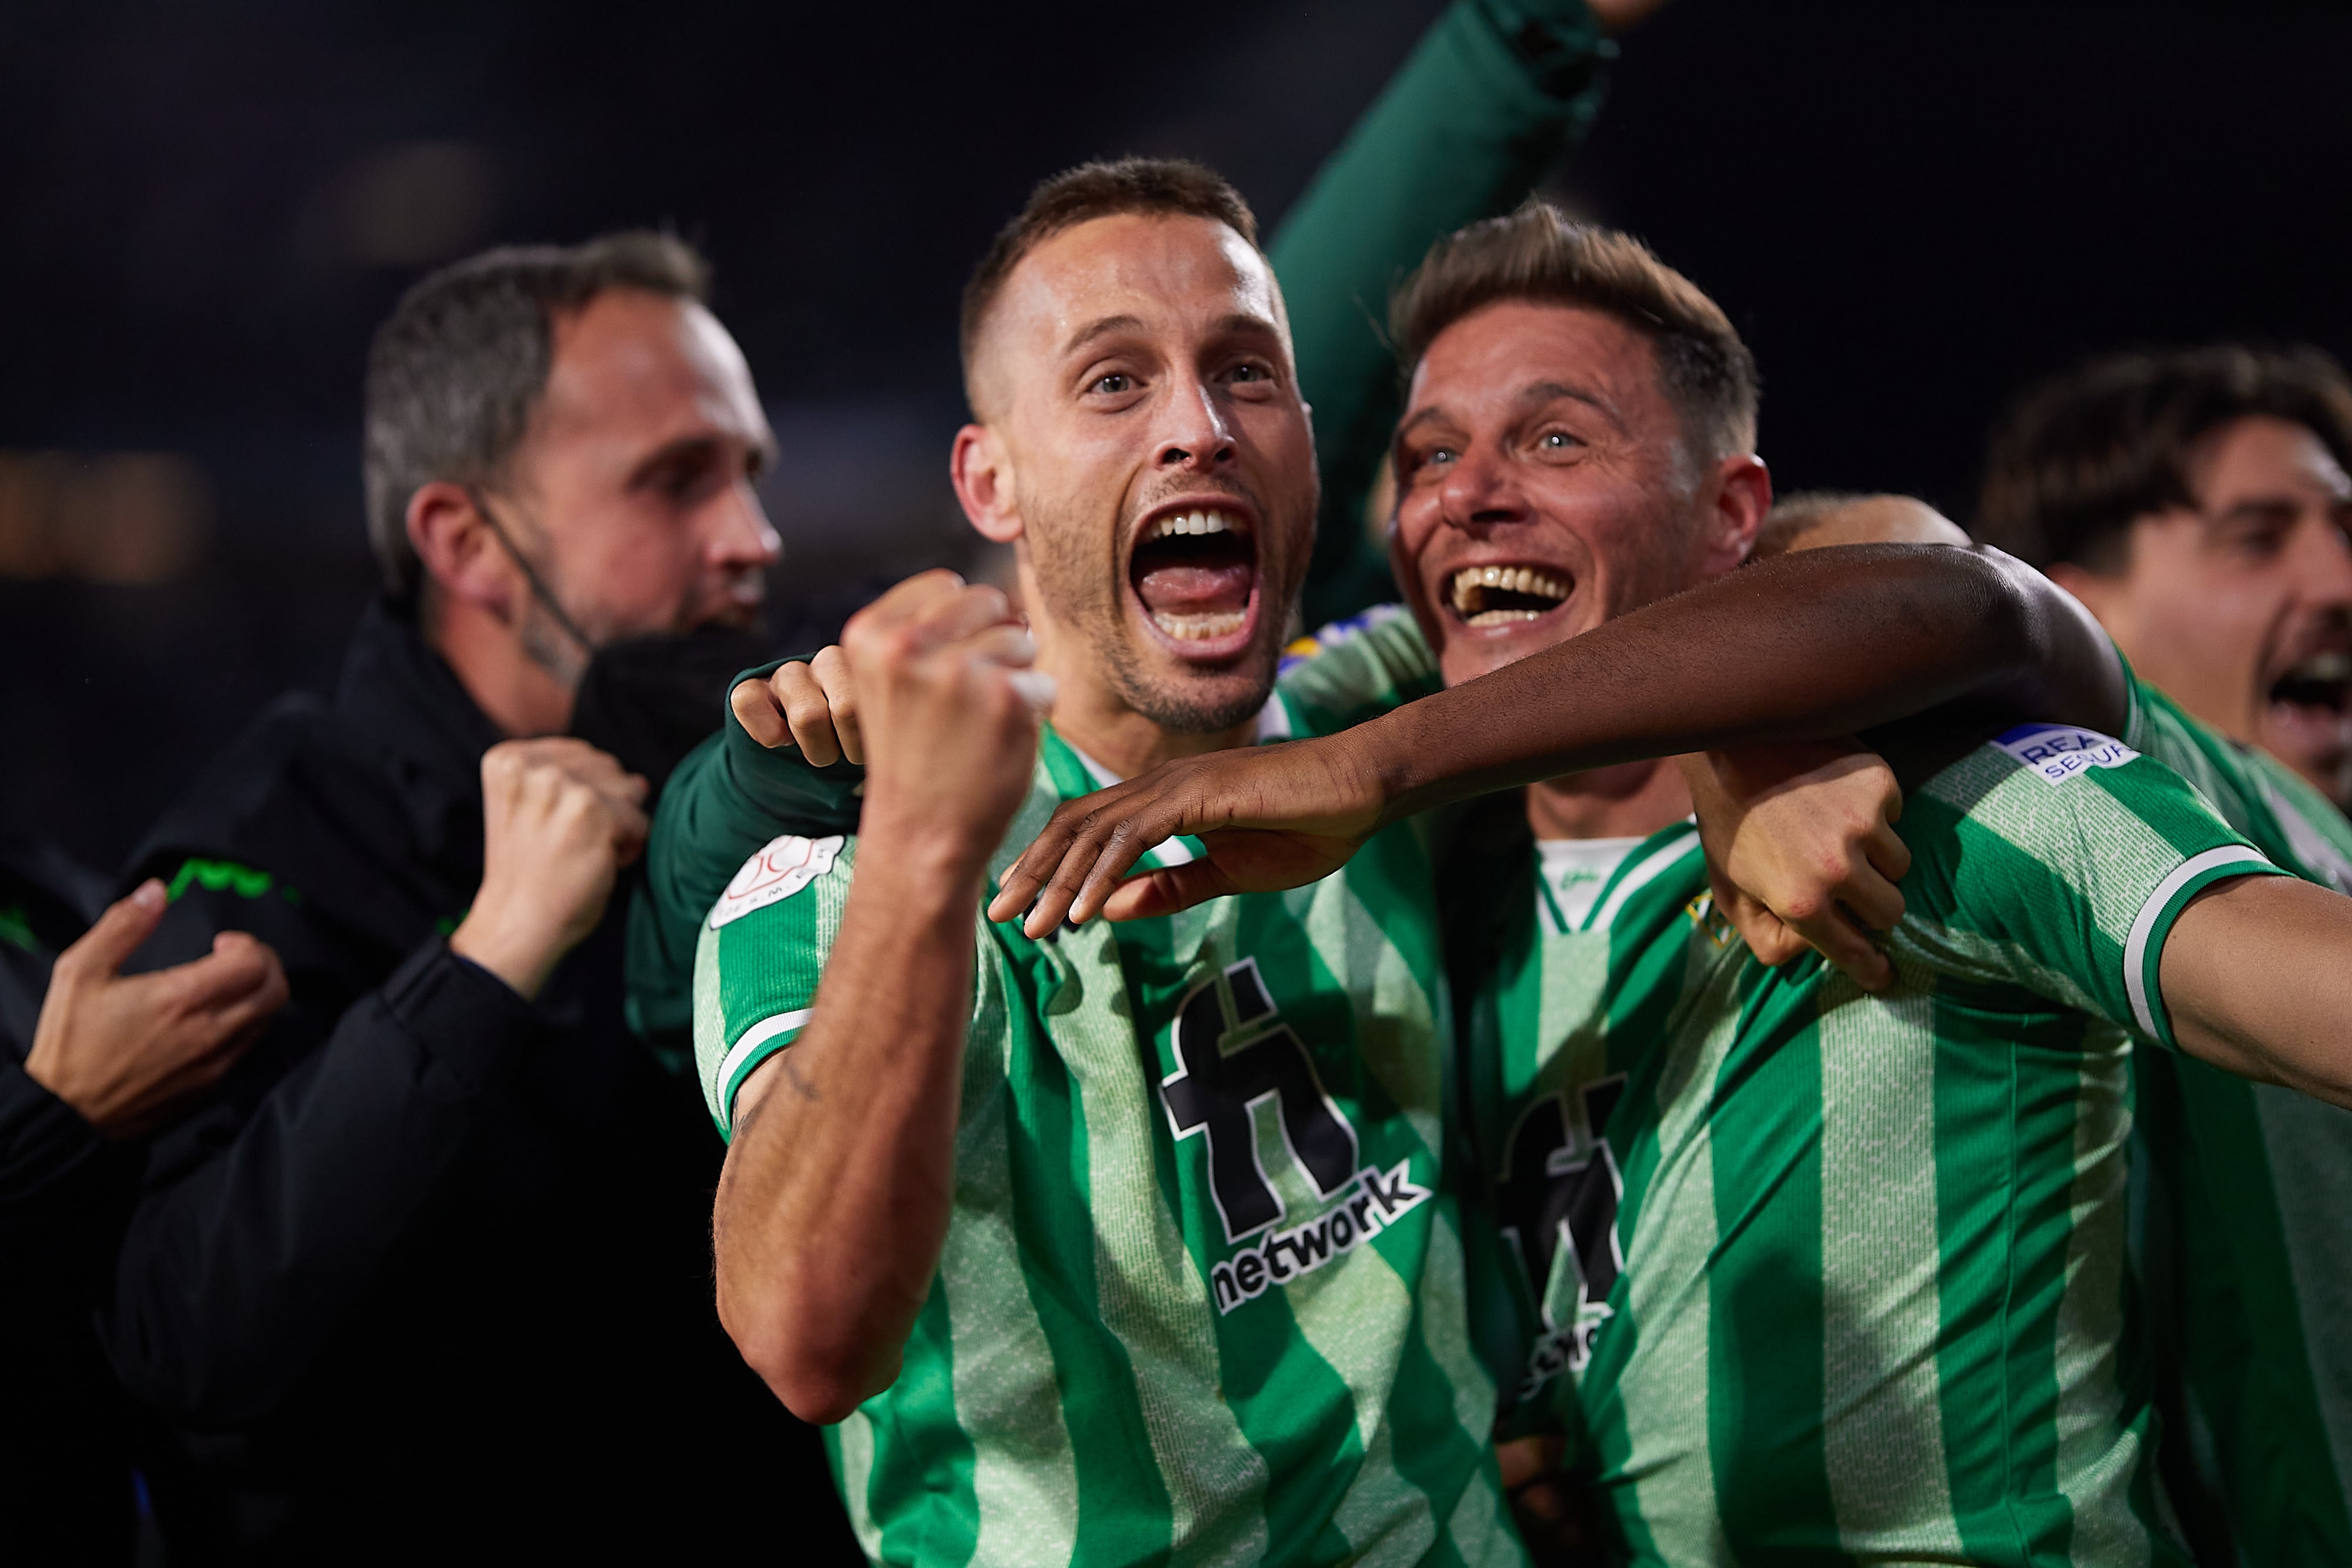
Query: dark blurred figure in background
[[2197, 502], [433, 1265], [90, 1060]]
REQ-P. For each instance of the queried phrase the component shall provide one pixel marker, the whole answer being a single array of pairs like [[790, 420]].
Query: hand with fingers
[[834, 1204], [810, 704], [125, 1050], [945, 718], [1269, 816], [559, 818], [1801, 849]]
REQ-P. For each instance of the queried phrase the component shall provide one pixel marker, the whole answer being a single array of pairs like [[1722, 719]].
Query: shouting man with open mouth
[[1141, 1243]]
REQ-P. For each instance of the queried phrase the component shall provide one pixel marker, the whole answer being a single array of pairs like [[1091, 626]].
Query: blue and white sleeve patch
[[1305, 648], [2054, 753]]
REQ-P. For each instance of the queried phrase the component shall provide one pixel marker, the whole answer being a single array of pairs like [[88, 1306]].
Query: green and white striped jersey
[[1202, 1298], [2250, 1291], [1565, 996], [1815, 1273]]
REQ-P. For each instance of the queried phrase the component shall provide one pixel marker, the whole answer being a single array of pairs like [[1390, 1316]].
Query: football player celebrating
[[1153, 1226], [1806, 1268], [2197, 502]]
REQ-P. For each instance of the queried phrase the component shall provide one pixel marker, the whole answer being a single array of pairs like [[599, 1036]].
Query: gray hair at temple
[[457, 370]]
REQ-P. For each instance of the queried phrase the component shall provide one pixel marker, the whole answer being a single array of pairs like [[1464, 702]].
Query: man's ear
[[982, 473], [1738, 498], [459, 553]]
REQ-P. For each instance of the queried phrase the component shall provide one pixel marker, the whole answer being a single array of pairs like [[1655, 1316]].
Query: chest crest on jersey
[[1236, 1060]]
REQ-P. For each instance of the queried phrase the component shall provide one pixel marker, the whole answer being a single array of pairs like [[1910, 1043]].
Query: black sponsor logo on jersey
[[1373, 1201], [1227, 1064], [1559, 1192], [1233, 1054]]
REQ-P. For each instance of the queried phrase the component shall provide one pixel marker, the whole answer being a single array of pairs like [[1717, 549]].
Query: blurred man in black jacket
[[90, 1060], [432, 1271]]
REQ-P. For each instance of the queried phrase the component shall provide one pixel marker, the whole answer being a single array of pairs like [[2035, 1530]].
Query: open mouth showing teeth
[[1498, 595], [1196, 573], [2323, 680]]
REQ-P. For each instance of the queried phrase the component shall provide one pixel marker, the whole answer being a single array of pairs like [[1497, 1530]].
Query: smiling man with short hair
[[1800, 1269]]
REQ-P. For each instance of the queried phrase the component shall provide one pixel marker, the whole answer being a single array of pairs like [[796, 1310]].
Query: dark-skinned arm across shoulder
[[1924, 649], [834, 1203]]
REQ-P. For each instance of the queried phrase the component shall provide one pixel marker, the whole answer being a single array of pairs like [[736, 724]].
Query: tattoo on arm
[[801, 1085]]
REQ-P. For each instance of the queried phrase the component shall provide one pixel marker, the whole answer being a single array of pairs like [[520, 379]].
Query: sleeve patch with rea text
[[2057, 752], [786, 866]]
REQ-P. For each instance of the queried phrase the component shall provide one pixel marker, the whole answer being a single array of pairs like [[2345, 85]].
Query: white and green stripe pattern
[[1569, 1006], [2248, 1289], [1111, 1367], [1873, 1300]]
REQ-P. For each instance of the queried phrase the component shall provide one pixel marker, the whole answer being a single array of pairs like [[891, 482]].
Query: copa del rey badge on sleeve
[[2057, 752], [786, 866]]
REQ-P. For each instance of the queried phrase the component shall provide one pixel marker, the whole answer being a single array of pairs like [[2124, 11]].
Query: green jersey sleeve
[[1495, 94], [1355, 670], [2292, 823], [760, 952], [2058, 858], [730, 796]]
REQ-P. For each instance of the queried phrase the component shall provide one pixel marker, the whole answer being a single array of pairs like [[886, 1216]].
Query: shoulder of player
[[2295, 793], [2026, 760], [1347, 670], [2059, 794], [790, 873]]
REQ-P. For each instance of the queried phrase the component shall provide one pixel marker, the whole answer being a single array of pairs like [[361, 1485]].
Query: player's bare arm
[[834, 1202], [1801, 841], [1828, 643], [2257, 978]]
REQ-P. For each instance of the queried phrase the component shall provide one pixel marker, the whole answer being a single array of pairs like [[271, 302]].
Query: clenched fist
[[812, 704], [559, 818], [947, 711], [1802, 850]]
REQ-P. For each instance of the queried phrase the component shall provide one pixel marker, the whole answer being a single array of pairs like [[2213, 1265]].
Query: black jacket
[[434, 1266], [65, 1468]]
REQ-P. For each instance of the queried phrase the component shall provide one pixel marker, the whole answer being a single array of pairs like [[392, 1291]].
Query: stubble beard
[[1092, 605]]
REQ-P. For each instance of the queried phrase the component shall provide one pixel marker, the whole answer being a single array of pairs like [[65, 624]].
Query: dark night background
[[1908, 209]]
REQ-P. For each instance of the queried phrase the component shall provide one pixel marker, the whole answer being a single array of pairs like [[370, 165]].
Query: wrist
[[516, 949], [914, 846], [41, 1065], [1380, 768]]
